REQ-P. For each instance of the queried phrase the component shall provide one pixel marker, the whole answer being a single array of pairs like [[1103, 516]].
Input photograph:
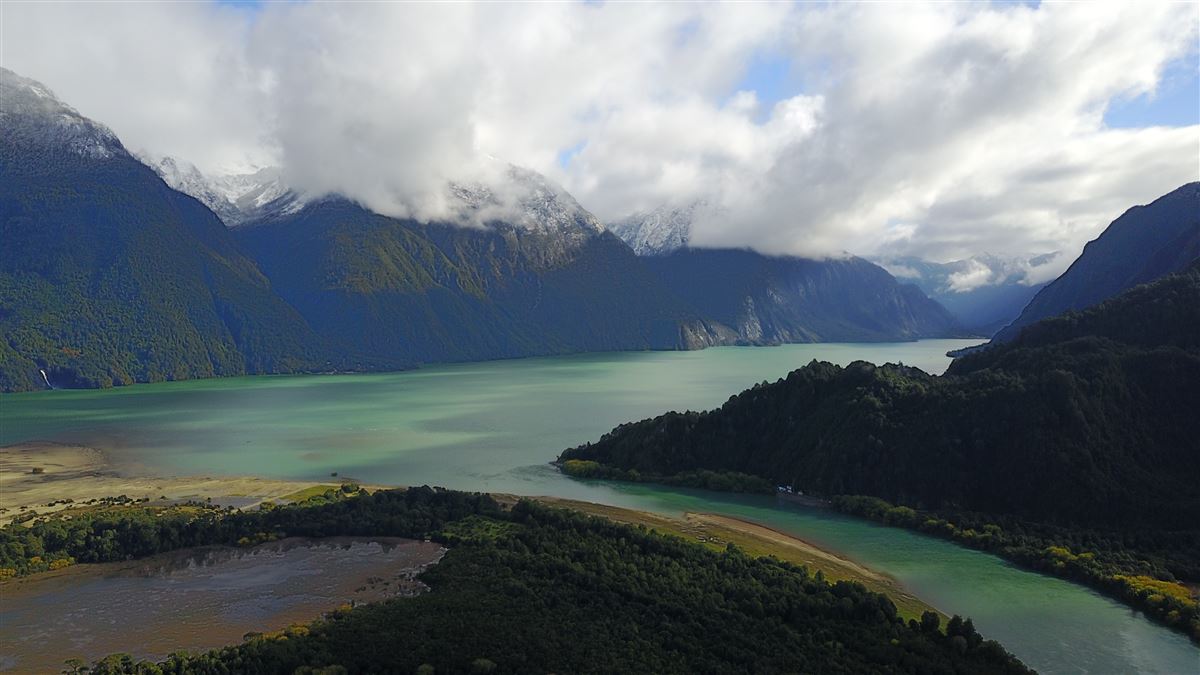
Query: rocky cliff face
[[768, 300]]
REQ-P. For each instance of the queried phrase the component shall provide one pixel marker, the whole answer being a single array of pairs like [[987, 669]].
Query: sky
[[937, 130]]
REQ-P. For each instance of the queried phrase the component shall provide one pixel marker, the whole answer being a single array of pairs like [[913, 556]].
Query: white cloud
[[939, 130], [901, 271], [167, 77], [975, 275]]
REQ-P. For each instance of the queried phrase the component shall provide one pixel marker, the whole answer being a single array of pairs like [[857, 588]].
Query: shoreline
[[547, 355], [715, 531], [38, 477], [84, 475]]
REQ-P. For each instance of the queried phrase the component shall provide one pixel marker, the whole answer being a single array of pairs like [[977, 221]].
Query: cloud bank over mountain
[[935, 130]]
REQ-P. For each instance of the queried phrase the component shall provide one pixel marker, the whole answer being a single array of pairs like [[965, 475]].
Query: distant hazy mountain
[[108, 276], [773, 299], [983, 292], [659, 231], [1145, 243], [235, 198]]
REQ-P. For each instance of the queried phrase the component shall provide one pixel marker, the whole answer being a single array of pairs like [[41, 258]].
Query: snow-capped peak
[[658, 231], [32, 115], [235, 198], [526, 200]]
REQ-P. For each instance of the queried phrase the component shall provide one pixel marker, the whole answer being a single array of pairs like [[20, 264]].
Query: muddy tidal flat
[[197, 599]]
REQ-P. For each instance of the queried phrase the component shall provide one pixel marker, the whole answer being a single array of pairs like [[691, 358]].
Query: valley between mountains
[[226, 399]]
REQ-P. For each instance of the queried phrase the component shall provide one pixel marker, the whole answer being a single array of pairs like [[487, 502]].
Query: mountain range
[[776, 299], [119, 269], [984, 294], [235, 198]]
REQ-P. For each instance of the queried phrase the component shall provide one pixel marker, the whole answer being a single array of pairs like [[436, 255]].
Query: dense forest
[[530, 589], [441, 292], [1141, 567], [703, 479], [1084, 421]]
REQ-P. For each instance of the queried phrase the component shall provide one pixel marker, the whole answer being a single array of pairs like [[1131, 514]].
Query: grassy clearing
[[308, 492]]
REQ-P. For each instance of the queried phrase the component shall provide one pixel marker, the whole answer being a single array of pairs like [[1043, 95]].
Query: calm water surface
[[197, 599], [494, 426]]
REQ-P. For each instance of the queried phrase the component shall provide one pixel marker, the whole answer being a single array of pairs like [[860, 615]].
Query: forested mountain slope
[[107, 276], [1088, 418], [437, 292], [443, 292]]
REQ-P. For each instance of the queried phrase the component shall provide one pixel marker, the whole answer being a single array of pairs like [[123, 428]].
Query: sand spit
[[39, 477]]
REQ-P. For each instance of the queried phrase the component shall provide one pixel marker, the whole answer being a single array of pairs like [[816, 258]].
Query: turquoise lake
[[494, 426]]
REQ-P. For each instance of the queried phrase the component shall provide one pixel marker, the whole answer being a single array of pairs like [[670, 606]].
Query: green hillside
[[107, 276], [1085, 418], [435, 292], [1080, 436]]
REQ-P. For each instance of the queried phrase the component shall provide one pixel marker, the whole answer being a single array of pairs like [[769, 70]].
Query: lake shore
[[81, 474]]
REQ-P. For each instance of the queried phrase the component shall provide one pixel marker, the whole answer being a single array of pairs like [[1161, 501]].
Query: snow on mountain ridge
[[33, 115], [518, 197], [658, 231], [526, 200], [235, 198]]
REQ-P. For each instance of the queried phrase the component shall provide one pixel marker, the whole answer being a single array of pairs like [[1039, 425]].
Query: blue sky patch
[[770, 78], [1175, 103], [567, 154]]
